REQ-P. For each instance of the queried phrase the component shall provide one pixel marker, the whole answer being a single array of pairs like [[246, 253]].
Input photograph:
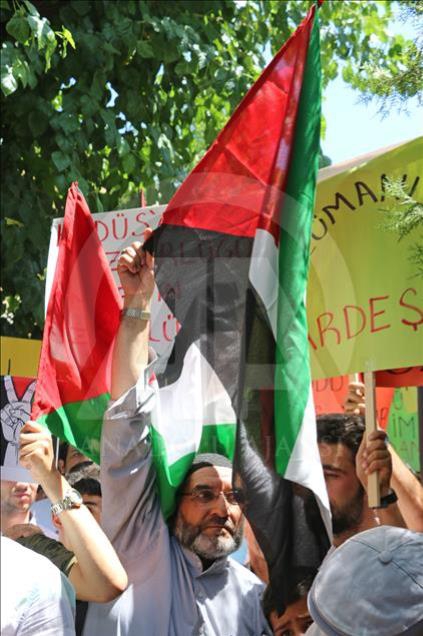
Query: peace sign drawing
[[15, 411]]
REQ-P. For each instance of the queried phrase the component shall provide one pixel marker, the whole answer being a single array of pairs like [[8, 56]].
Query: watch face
[[74, 498]]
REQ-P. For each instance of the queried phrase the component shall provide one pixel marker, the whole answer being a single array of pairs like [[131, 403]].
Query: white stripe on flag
[[304, 466], [263, 273], [196, 399]]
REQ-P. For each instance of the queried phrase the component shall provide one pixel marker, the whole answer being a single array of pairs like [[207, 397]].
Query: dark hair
[[63, 449], [339, 428], [86, 479], [302, 581], [88, 486]]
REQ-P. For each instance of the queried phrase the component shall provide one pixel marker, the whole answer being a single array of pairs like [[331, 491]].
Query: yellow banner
[[365, 303], [19, 357]]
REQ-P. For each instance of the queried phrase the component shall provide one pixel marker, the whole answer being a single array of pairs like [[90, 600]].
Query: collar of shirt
[[196, 565]]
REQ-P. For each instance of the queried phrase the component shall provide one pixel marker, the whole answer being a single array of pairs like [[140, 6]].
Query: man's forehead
[[92, 499], [211, 476], [336, 454]]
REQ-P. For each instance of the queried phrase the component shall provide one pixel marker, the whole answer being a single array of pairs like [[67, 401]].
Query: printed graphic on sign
[[16, 396]]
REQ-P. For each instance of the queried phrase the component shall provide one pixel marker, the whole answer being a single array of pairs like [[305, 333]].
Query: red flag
[[82, 319]]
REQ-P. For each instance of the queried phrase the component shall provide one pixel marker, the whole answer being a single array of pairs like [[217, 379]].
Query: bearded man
[[347, 458], [181, 581]]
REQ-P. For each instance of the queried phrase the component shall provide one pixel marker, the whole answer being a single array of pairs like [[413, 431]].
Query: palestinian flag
[[82, 320], [232, 256]]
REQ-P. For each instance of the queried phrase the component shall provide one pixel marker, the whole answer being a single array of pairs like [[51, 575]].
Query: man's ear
[[61, 466]]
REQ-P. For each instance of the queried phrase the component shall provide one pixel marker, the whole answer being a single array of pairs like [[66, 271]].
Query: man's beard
[[205, 546], [349, 515]]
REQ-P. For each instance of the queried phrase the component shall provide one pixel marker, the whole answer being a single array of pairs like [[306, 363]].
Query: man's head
[[86, 480], [69, 458], [339, 437], [295, 620], [208, 518], [16, 499], [372, 584]]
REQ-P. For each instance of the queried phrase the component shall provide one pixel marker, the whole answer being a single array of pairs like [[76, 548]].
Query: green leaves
[[127, 96], [38, 123], [145, 49], [67, 36], [30, 33], [18, 27], [61, 161], [9, 82]]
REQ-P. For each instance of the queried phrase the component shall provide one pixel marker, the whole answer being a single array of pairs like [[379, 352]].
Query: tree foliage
[[405, 218], [126, 95], [392, 84]]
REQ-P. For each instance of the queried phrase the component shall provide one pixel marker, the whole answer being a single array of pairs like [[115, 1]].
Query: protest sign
[[15, 408], [364, 301], [329, 397], [408, 376], [364, 305], [19, 356], [19, 367], [116, 230], [403, 426]]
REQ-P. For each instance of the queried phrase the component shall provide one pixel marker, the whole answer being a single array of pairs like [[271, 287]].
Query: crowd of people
[[87, 549]]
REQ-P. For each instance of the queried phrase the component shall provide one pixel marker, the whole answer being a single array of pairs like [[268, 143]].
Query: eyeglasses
[[206, 495]]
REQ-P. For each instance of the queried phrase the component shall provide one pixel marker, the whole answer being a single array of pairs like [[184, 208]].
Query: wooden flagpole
[[373, 486]]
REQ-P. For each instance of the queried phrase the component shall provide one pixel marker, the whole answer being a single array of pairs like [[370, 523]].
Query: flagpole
[[373, 486], [420, 424]]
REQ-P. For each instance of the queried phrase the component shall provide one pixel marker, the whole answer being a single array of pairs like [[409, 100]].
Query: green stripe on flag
[[79, 423], [215, 438], [292, 375]]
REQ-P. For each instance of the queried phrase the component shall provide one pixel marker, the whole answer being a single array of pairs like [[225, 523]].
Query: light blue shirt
[[168, 593]]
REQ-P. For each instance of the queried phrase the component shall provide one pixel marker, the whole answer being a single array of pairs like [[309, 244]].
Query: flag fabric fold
[[82, 319], [232, 256]]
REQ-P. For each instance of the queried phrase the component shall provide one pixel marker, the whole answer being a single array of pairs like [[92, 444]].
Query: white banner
[[116, 230]]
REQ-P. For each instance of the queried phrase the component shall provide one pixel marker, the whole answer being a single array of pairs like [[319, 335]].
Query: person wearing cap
[[181, 581], [371, 585]]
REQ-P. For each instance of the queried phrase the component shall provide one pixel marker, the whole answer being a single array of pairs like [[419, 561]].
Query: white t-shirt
[[36, 598]]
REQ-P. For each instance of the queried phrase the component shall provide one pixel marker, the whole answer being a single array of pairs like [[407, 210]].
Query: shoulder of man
[[244, 573], [50, 548]]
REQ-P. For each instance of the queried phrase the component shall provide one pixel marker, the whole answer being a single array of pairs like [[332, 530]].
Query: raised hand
[[135, 268], [373, 455], [36, 452], [355, 401]]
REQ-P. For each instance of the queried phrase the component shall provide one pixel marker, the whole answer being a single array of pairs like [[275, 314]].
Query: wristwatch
[[388, 499], [134, 312], [72, 499]]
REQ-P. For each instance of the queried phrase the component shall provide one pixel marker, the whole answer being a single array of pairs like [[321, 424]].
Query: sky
[[354, 128]]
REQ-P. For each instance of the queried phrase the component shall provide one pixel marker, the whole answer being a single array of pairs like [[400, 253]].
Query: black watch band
[[388, 499]]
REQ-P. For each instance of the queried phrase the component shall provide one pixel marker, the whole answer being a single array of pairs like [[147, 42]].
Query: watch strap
[[388, 499], [71, 499], [133, 312]]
